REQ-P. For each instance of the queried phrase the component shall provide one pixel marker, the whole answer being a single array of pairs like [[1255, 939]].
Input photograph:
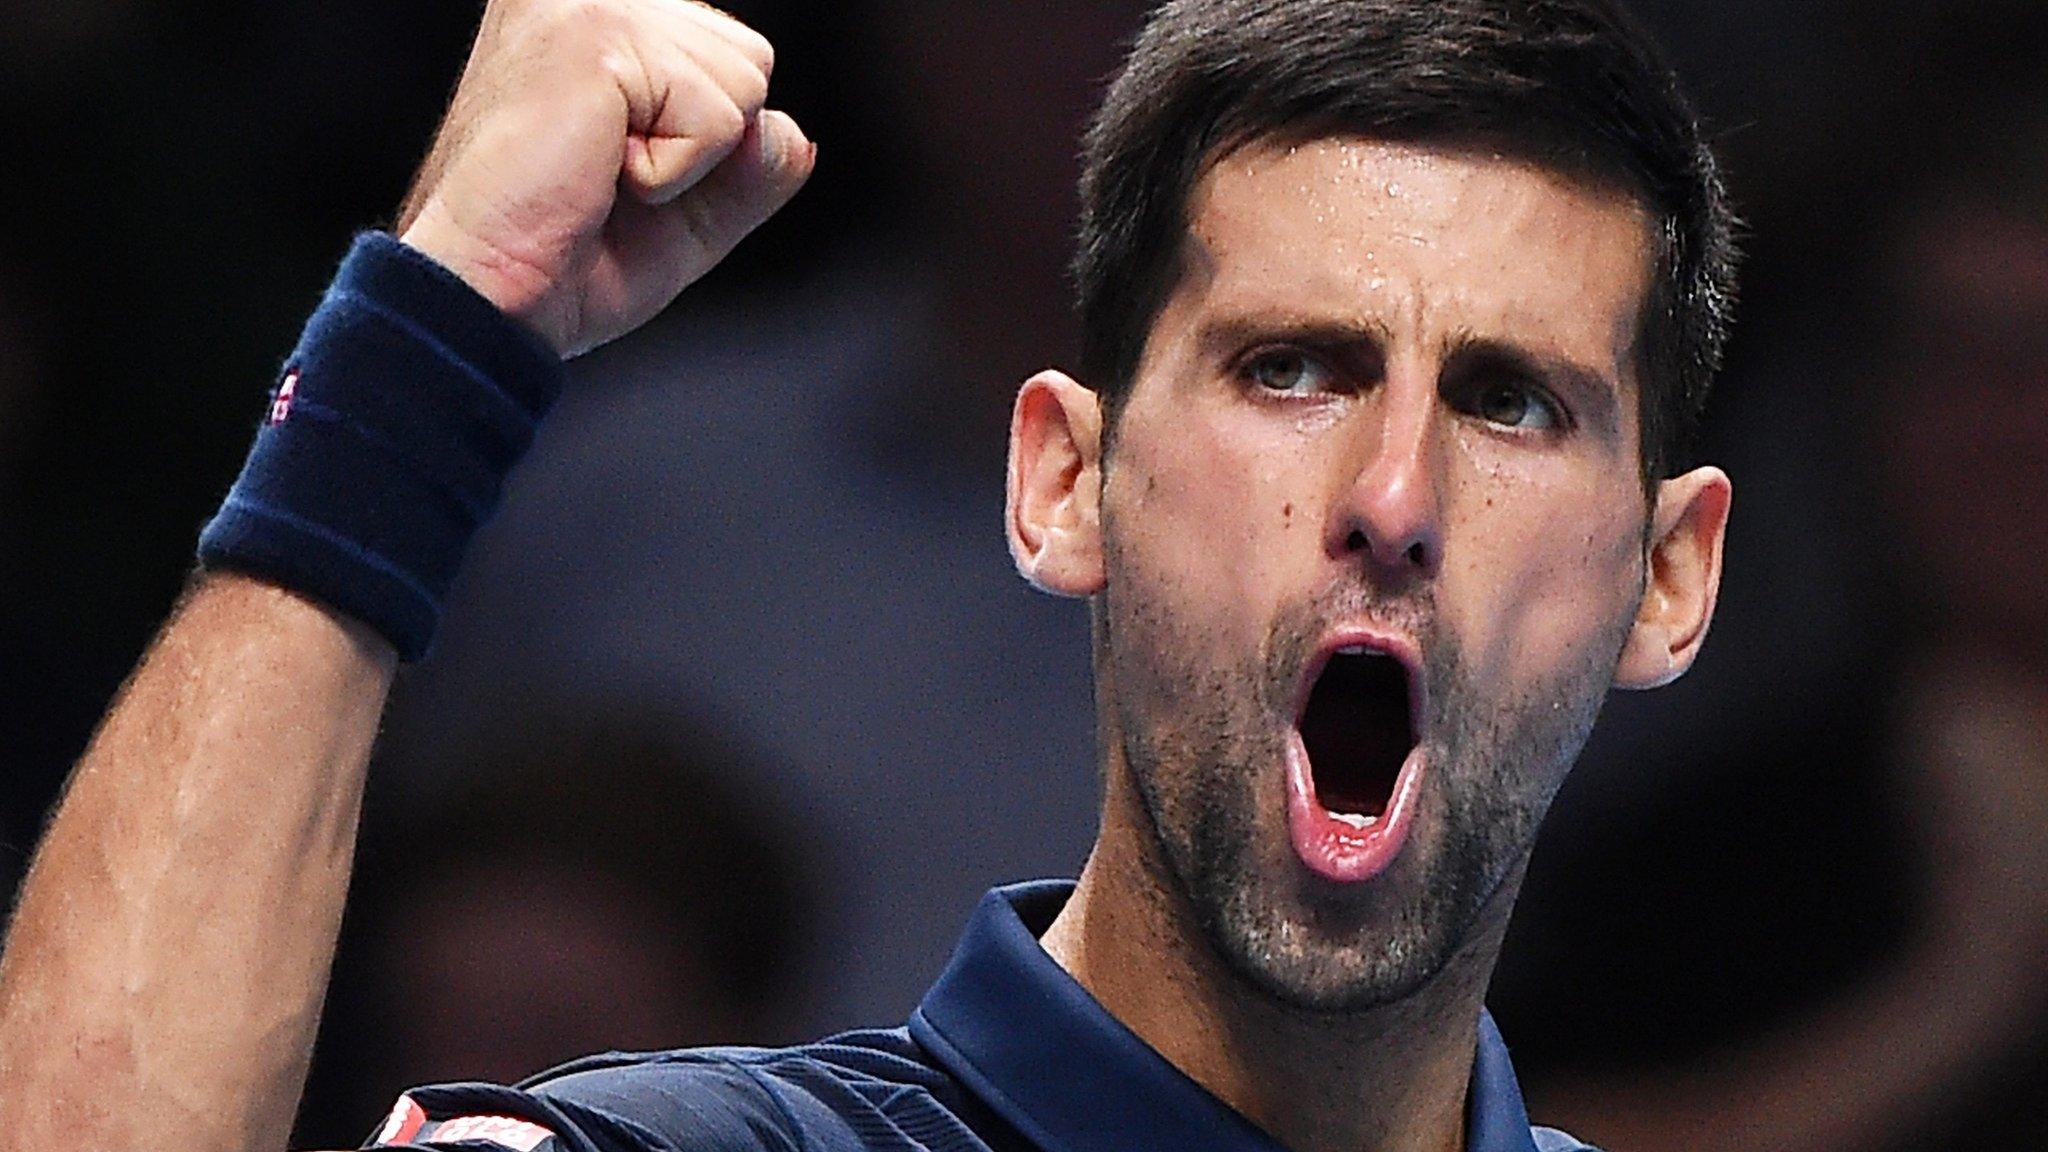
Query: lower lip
[[1336, 849]]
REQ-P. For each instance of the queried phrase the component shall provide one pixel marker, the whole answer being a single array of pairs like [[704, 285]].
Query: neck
[[1389, 1079]]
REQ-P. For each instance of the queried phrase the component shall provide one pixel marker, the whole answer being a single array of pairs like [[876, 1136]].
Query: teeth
[[1355, 819], [1360, 650]]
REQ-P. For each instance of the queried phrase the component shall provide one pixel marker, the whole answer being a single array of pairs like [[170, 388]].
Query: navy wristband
[[386, 442]]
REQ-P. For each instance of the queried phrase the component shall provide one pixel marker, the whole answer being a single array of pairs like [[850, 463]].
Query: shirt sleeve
[[603, 1104]]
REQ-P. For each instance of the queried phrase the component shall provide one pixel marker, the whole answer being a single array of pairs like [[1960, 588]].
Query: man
[[1394, 316]]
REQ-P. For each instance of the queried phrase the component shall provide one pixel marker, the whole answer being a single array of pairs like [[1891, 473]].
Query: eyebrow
[[1225, 335]]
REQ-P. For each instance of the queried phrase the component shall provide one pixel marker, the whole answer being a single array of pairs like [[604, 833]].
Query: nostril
[[1417, 552]]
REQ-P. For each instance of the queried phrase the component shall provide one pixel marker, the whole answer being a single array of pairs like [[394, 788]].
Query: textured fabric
[[1006, 1054], [385, 443]]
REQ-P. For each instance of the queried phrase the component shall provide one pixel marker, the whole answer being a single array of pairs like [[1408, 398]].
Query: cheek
[[1213, 515], [1544, 572]]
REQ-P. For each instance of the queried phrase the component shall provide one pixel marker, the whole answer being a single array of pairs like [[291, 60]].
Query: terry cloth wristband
[[387, 440]]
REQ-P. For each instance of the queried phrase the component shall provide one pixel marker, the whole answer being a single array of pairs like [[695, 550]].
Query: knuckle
[[724, 120], [577, 29], [752, 44], [760, 51], [753, 91], [587, 15]]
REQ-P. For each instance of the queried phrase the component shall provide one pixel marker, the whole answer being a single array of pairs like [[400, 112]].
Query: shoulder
[[825, 1096], [758, 1096]]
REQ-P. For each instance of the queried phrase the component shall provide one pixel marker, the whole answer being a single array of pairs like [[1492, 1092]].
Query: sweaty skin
[[1393, 391], [164, 972]]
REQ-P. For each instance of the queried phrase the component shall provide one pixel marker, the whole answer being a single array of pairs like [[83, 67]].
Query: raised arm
[[165, 968]]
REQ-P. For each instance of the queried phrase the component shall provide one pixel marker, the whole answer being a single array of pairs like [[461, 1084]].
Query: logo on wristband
[[281, 400]]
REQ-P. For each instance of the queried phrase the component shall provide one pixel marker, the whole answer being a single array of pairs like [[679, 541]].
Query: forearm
[[165, 970], [167, 962]]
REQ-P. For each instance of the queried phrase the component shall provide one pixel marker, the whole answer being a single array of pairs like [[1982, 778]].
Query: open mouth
[[1358, 730]]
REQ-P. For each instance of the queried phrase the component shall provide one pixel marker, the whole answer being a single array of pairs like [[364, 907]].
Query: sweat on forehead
[[1572, 85], [1385, 252]]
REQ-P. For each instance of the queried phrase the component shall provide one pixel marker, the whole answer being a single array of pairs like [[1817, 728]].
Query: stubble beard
[[1198, 740]]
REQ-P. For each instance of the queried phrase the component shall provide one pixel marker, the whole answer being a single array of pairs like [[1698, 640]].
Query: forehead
[[1422, 245]]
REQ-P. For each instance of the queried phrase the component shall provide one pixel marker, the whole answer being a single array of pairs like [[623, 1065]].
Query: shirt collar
[[1028, 1040]]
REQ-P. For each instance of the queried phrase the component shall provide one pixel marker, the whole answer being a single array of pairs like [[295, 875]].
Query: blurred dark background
[[741, 706]]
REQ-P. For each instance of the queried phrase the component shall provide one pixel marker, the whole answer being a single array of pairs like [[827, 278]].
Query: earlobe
[[1682, 579], [1053, 510]]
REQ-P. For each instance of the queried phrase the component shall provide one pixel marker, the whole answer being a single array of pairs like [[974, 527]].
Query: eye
[[1513, 403], [1288, 370]]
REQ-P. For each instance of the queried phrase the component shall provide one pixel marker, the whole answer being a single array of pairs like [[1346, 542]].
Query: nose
[[1389, 512]]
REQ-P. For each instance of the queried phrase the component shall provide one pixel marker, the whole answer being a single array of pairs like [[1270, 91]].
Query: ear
[[1053, 513], [1681, 581]]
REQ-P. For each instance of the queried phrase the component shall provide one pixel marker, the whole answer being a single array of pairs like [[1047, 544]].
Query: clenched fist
[[598, 157]]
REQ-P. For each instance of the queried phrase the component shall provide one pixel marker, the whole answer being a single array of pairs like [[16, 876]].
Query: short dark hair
[[1574, 85]]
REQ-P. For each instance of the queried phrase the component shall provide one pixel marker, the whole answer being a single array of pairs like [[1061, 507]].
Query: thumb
[[653, 253], [769, 165]]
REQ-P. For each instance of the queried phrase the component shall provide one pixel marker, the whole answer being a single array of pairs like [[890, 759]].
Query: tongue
[[1356, 730]]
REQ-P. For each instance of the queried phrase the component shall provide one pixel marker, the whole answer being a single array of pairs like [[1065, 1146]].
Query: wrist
[[385, 445], [517, 288]]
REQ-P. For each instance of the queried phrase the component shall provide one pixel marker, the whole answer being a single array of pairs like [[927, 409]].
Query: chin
[[1327, 958], [1305, 943]]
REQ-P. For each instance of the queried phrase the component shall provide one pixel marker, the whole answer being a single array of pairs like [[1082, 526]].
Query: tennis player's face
[[1373, 541]]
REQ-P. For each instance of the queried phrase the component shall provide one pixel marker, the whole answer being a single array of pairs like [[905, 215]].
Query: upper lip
[[1378, 640]]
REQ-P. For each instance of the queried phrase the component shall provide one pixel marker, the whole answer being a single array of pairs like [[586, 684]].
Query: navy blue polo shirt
[[1007, 1053]]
